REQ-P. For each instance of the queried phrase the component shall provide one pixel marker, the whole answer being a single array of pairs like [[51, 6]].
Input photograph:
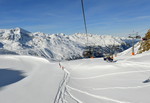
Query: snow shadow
[[8, 76], [147, 80]]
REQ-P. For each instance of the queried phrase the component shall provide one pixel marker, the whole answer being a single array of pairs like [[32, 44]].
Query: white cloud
[[143, 17]]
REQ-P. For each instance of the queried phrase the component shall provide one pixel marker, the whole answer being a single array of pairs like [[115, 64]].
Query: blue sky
[[113, 17]]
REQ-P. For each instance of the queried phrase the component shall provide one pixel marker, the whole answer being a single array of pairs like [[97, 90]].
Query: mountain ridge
[[56, 46]]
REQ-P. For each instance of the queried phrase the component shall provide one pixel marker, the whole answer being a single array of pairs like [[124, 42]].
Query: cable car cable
[[85, 26]]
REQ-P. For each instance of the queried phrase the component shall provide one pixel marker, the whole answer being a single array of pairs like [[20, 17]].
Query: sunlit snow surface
[[39, 85], [81, 81], [55, 46]]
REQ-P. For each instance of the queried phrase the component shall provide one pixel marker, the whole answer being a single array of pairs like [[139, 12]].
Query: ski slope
[[39, 85], [96, 81], [78, 81]]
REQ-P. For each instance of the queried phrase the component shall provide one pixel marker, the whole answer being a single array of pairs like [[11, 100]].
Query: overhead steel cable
[[82, 3]]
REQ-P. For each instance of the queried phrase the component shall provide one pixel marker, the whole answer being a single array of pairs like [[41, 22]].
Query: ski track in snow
[[67, 90], [136, 87], [63, 90], [135, 63], [110, 88], [74, 98], [96, 96], [111, 74]]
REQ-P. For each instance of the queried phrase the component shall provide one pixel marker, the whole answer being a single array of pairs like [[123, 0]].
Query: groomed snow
[[97, 81], [81, 81], [39, 85]]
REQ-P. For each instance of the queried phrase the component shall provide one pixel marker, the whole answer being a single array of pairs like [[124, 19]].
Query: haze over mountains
[[56, 46]]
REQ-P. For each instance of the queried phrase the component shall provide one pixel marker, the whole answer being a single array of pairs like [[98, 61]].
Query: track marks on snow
[[111, 74], [123, 88], [62, 89], [98, 97]]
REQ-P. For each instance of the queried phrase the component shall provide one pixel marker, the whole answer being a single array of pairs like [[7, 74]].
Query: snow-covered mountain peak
[[14, 34], [56, 46], [16, 30], [20, 30]]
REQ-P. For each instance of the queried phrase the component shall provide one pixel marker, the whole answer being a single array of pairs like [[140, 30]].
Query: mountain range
[[18, 41]]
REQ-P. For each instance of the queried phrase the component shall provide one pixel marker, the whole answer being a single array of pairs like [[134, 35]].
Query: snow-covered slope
[[128, 52], [54, 46], [25, 79], [97, 81]]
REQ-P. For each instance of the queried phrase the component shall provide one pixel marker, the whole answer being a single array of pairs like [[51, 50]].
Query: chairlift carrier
[[89, 51]]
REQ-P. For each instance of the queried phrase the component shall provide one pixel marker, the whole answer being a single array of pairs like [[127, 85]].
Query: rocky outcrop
[[145, 43]]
